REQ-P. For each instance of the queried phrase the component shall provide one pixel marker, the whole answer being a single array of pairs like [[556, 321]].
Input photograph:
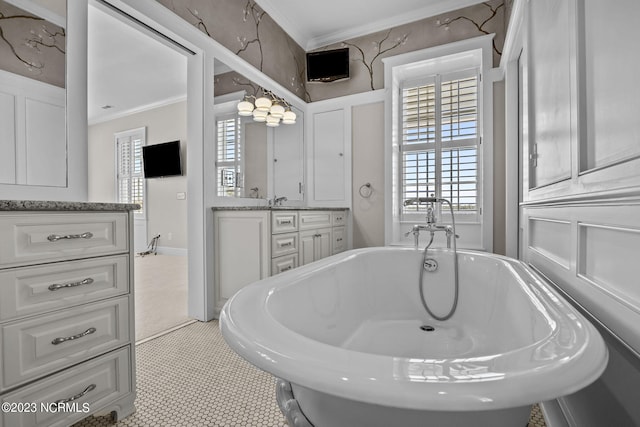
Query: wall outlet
[[169, 236], [181, 195]]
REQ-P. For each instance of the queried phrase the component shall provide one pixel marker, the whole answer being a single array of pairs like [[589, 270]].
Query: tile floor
[[191, 378]]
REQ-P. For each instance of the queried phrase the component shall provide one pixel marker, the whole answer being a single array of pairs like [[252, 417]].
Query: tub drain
[[427, 328]]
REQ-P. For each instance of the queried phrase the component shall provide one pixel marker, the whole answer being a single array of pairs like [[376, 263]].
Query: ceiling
[[128, 70], [314, 24]]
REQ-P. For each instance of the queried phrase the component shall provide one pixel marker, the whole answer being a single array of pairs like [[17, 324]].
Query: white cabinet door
[[328, 156], [288, 161], [242, 243], [307, 247], [314, 245]]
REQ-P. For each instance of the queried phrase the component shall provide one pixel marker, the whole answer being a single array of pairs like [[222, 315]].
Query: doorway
[[137, 79]]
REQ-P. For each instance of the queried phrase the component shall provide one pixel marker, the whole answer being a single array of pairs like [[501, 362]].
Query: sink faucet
[[277, 201]]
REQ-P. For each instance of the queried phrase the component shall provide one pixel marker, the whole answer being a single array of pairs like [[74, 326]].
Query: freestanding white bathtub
[[344, 336]]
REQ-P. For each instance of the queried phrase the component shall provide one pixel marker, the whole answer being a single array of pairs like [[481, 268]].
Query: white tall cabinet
[[329, 154]]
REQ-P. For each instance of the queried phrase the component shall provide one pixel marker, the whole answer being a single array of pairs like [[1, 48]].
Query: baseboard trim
[[553, 414]]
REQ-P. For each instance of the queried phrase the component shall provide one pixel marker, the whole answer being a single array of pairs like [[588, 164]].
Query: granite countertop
[[44, 205], [274, 208]]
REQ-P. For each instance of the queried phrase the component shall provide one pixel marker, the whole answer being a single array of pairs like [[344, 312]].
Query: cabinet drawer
[[40, 345], [283, 244], [284, 222], [283, 263], [31, 237], [94, 384], [315, 219], [39, 289], [338, 218], [338, 238]]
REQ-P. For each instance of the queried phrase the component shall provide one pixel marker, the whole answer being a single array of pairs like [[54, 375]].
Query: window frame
[[477, 51], [131, 133]]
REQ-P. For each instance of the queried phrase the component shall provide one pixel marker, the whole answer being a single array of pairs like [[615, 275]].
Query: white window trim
[[125, 134], [403, 67]]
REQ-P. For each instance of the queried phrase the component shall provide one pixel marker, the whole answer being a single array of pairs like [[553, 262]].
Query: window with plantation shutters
[[229, 158], [130, 172], [439, 123]]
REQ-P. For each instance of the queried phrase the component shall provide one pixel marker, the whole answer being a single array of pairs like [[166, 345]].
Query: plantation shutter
[[229, 159], [130, 172], [439, 143]]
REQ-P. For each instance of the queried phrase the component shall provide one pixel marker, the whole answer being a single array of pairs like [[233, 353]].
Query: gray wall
[[165, 213], [368, 167]]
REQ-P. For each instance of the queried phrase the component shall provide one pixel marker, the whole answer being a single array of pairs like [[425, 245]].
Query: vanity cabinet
[[252, 244], [66, 313]]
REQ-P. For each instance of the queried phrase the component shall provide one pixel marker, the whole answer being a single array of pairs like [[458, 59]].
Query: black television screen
[[328, 65], [161, 159]]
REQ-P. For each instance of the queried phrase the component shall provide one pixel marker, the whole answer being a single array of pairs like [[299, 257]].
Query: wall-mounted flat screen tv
[[162, 160], [328, 65]]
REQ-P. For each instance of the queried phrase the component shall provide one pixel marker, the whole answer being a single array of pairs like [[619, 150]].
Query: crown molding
[[140, 109], [307, 42]]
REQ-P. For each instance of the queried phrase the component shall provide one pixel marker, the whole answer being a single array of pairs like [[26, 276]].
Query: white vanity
[[252, 243], [66, 312]]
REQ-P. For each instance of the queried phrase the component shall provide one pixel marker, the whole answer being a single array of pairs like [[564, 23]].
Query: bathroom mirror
[[254, 160], [33, 139]]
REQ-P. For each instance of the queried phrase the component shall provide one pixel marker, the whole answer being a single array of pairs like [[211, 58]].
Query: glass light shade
[[277, 110], [289, 117], [263, 104], [245, 108], [273, 121], [259, 116]]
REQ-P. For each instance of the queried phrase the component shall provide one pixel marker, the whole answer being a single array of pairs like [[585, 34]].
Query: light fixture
[[276, 110], [273, 121], [245, 108], [289, 117], [263, 104], [268, 108], [260, 116]]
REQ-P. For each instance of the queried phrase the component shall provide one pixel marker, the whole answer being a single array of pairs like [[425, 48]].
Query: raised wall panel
[[611, 88], [550, 83], [608, 257], [7, 138], [551, 239], [46, 144]]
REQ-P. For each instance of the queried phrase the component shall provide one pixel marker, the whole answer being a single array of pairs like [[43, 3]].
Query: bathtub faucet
[[431, 228], [416, 233]]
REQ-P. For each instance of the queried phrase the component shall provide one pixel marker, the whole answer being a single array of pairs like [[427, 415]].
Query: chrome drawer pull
[[285, 221], [77, 396], [287, 268], [285, 244], [55, 237], [60, 340], [57, 286]]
